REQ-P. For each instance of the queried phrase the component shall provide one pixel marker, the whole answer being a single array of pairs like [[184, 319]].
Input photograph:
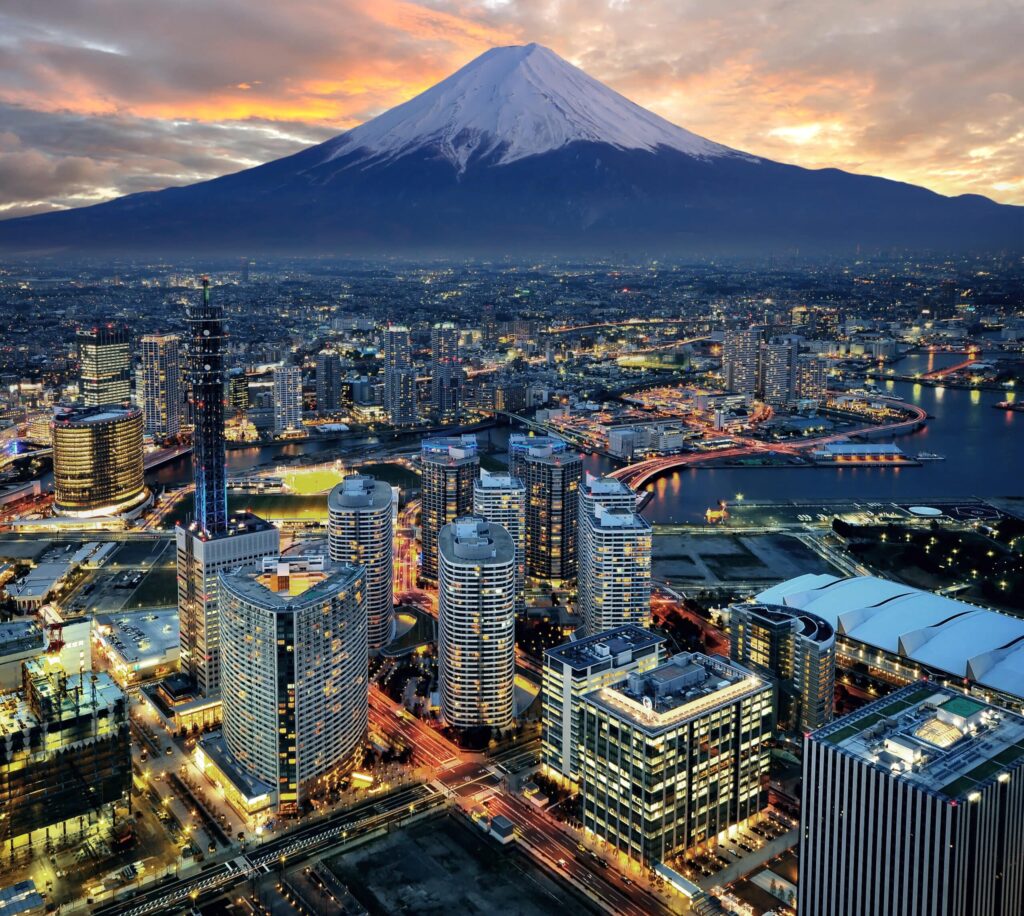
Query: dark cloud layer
[[106, 97]]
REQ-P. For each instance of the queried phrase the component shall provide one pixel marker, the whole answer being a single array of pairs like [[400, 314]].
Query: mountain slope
[[521, 152]]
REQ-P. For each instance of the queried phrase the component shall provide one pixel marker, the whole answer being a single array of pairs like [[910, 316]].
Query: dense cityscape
[[618, 587]]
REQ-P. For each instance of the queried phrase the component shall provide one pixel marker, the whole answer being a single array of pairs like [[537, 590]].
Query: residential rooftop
[[360, 491], [488, 481], [604, 647], [933, 737], [605, 486], [449, 447]]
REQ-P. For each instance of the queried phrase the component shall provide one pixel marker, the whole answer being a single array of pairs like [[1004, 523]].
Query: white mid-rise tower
[[360, 531], [501, 499], [287, 398], [476, 623]]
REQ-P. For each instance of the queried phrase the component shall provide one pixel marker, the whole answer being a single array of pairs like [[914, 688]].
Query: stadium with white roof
[[907, 633]]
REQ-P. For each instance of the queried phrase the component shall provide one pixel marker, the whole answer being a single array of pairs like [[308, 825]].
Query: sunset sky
[[104, 97]]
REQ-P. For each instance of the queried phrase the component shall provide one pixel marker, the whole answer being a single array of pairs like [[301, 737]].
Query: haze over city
[[511, 458]]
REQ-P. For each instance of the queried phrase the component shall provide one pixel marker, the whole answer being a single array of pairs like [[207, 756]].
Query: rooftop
[[239, 523], [276, 582], [464, 446], [138, 638], [582, 653], [521, 442], [360, 491], [21, 635], [615, 517], [944, 634], [106, 413], [606, 486], [474, 538], [932, 737], [685, 687], [488, 481], [810, 626]]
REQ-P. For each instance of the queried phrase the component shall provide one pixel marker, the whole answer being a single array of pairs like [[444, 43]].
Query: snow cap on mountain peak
[[515, 102]]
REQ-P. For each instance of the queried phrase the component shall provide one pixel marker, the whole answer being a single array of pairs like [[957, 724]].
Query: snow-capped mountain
[[520, 152], [517, 102]]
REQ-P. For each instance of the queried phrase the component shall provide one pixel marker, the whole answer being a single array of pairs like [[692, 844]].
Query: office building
[[65, 756], [104, 355], [551, 473], [449, 466], [501, 499], [741, 352], [675, 756], [213, 541], [476, 624], [794, 648], [614, 569], [777, 385], [328, 382], [445, 372], [577, 668], [238, 390], [399, 377], [160, 398], [295, 692], [97, 461], [913, 804], [360, 532], [287, 399]]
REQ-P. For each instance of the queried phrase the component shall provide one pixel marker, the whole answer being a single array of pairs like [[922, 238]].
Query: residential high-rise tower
[[160, 398], [450, 465]]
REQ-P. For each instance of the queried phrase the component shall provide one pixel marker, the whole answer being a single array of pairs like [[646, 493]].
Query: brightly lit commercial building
[[450, 466], [614, 582], [360, 532], [97, 461], [295, 689], [551, 473], [287, 399], [65, 755], [675, 756], [104, 355], [913, 804], [501, 499], [399, 377], [577, 668], [794, 648], [476, 623], [160, 398]]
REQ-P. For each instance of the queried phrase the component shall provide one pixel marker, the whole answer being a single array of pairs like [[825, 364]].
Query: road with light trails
[[430, 748]]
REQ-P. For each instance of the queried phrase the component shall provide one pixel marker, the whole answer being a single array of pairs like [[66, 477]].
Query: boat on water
[[930, 456], [1015, 406]]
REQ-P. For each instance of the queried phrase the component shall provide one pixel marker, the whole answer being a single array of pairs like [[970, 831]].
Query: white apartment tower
[[399, 377], [360, 532], [501, 499], [287, 398], [476, 623], [160, 398]]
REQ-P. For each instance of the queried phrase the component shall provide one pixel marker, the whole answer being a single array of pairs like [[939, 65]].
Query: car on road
[[562, 863]]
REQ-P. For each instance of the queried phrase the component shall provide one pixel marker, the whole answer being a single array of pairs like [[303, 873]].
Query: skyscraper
[[741, 354], [595, 491], [104, 354], [476, 623], [795, 648], [328, 381], [913, 804], [501, 499], [360, 532], [450, 465], [614, 569], [688, 743], [445, 372], [97, 461], [214, 540], [295, 693], [777, 384], [811, 377], [287, 398], [160, 398], [551, 474], [399, 377]]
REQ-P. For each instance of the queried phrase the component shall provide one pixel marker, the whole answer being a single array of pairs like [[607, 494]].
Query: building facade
[[778, 371], [796, 649], [296, 693], [675, 756], [913, 804], [328, 381], [160, 398], [450, 466], [577, 668], [445, 373], [98, 461], [104, 355], [476, 624], [360, 532], [399, 377], [551, 473], [614, 570], [287, 399], [501, 499], [741, 352]]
